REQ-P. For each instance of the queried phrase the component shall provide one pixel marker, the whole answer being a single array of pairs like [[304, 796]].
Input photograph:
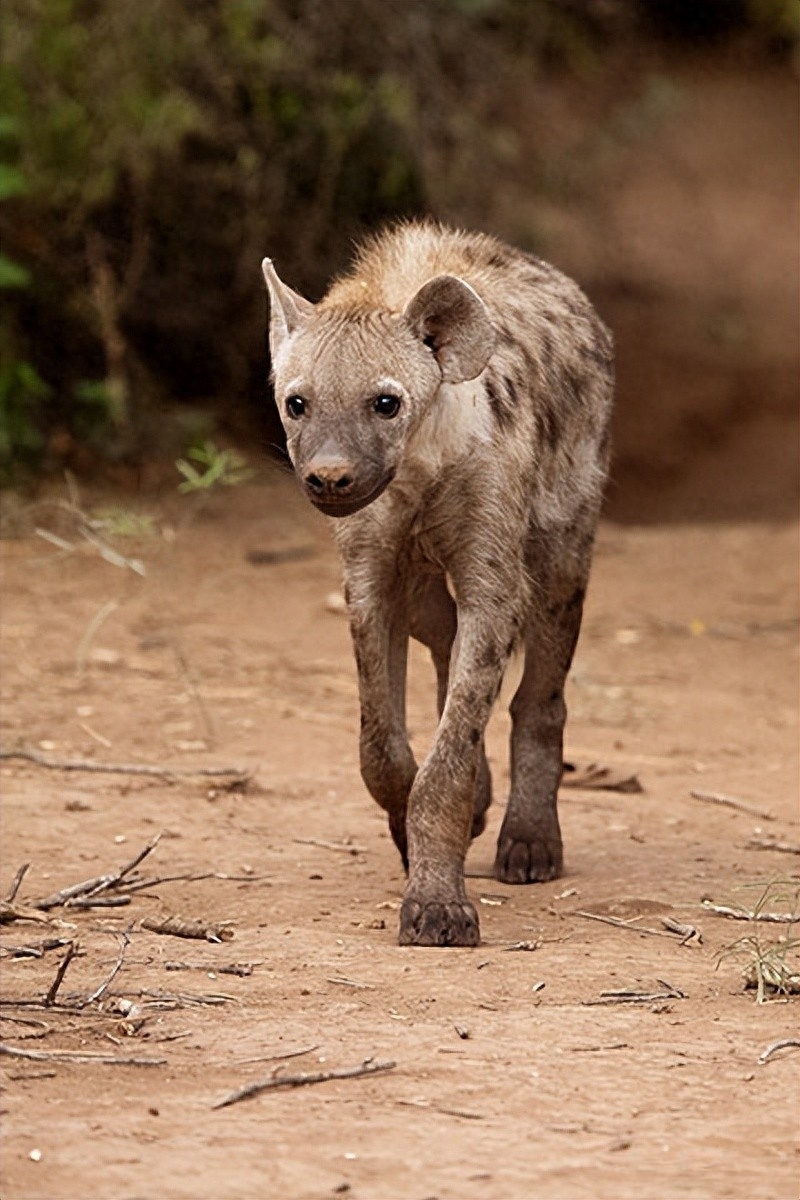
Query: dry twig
[[782, 1044], [18, 878], [367, 1067], [343, 847], [78, 1056], [631, 997], [598, 777], [178, 927], [619, 923], [115, 970], [731, 802], [162, 772], [746, 914], [50, 998]]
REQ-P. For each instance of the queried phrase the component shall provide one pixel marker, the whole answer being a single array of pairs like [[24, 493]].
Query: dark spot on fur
[[553, 697], [499, 257], [490, 657], [509, 647], [475, 736], [502, 397], [548, 426], [489, 698]]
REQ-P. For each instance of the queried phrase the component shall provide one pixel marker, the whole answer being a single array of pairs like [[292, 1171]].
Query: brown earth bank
[[515, 1077]]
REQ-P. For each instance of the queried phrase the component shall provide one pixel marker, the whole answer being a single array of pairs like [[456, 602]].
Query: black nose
[[329, 480]]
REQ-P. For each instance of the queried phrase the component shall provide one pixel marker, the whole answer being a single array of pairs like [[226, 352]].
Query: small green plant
[[121, 522], [771, 966], [216, 468]]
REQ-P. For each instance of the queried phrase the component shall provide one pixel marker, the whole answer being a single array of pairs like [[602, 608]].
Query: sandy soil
[[511, 1082]]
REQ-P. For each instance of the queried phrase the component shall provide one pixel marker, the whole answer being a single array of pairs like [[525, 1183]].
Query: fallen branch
[[342, 847], [77, 1056], [50, 998], [90, 888], [163, 772], [746, 914], [18, 878], [98, 992], [18, 912], [770, 844], [731, 802], [368, 1067], [631, 997], [783, 1044], [598, 777], [178, 927], [242, 969], [618, 923]]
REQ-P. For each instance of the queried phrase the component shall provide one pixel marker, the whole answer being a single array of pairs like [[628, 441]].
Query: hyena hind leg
[[434, 623], [529, 847]]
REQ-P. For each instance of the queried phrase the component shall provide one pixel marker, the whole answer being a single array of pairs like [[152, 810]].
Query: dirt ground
[[511, 1080]]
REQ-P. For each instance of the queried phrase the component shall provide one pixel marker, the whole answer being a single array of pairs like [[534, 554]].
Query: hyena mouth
[[351, 504]]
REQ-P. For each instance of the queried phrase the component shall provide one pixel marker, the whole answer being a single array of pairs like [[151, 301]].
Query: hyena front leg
[[434, 623], [529, 846], [379, 629], [436, 910]]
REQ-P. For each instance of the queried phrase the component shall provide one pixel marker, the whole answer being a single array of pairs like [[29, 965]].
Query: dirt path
[[504, 1089]]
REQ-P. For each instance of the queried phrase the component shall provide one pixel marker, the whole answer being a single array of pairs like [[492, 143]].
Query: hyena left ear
[[287, 310], [450, 317]]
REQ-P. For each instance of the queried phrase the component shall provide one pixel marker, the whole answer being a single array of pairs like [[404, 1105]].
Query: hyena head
[[353, 382]]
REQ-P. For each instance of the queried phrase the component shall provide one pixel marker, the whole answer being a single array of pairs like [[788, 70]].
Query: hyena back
[[449, 401]]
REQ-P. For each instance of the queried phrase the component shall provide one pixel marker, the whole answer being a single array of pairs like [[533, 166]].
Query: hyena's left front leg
[[436, 910]]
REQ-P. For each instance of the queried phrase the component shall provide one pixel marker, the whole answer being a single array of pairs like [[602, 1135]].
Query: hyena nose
[[331, 478]]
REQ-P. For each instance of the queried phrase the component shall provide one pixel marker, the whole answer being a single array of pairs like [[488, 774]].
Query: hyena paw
[[529, 859], [434, 923]]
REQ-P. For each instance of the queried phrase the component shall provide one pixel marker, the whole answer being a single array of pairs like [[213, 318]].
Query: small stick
[[768, 844], [19, 912], [18, 878], [100, 902], [783, 1044], [177, 927], [50, 998], [113, 880], [81, 764], [687, 933], [98, 992], [274, 1057], [353, 983], [731, 802], [368, 1067], [77, 1056], [618, 923], [744, 914], [344, 847]]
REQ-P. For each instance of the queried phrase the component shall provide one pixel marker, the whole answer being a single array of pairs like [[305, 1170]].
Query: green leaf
[[12, 182], [12, 275]]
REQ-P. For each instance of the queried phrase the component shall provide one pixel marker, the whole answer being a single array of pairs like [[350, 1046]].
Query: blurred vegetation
[[152, 151]]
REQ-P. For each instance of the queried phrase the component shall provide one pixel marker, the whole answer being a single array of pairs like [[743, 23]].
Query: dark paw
[[436, 924], [534, 861]]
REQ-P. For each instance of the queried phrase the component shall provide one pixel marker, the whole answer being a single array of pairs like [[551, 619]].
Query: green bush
[[152, 151]]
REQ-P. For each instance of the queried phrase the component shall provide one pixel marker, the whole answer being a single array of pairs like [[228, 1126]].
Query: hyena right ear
[[287, 310], [449, 316]]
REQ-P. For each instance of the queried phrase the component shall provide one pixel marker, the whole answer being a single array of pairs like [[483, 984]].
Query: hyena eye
[[386, 406], [295, 407]]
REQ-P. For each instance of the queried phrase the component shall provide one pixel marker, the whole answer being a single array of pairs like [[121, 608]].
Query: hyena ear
[[287, 310], [450, 317]]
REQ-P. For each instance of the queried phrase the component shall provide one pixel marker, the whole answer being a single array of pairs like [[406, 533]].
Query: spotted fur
[[455, 398]]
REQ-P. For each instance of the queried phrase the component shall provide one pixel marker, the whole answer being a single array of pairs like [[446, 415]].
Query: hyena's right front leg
[[380, 641]]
